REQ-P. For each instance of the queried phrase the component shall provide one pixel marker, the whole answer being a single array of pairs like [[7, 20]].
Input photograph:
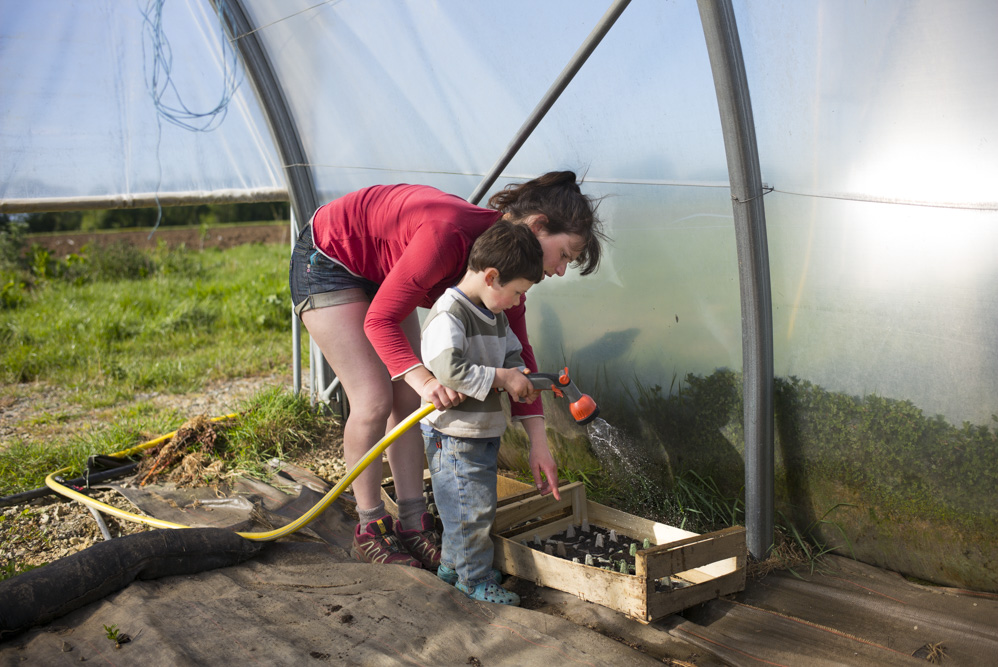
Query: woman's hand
[[430, 390], [542, 463], [442, 397]]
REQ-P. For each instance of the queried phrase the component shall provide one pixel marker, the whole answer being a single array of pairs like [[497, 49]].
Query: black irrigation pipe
[[92, 478]]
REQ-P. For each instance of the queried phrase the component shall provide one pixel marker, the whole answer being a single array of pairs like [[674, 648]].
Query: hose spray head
[[582, 406]]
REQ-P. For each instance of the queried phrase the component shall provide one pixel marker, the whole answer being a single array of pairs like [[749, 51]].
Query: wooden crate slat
[[533, 507], [542, 530], [505, 501], [690, 553], [670, 602], [545, 527], [507, 486], [635, 526], [622, 592]]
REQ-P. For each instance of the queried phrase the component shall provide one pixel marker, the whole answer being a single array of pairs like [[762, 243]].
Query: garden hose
[[372, 454]]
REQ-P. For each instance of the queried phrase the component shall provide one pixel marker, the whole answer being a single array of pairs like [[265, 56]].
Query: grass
[[113, 323], [170, 324], [275, 424]]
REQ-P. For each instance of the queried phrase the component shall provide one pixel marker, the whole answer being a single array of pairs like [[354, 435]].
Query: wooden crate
[[698, 567]]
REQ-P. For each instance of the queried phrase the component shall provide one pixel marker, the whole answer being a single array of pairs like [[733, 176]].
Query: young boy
[[468, 346]]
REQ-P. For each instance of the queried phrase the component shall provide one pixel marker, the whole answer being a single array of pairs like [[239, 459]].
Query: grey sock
[[365, 517], [411, 513]]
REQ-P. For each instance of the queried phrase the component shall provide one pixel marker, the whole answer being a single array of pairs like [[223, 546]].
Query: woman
[[359, 270]]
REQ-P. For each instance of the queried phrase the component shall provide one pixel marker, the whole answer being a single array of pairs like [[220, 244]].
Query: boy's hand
[[535, 393], [515, 383]]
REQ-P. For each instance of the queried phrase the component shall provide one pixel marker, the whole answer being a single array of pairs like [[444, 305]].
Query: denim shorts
[[318, 282]]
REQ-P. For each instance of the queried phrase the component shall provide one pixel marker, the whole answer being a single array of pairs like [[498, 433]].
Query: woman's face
[[560, 250]]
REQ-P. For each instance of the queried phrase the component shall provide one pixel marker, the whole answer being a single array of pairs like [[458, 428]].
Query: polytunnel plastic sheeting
[[409, 92], [875, 128], [77, 117], [887, 101], [388, 91], [876, 135]]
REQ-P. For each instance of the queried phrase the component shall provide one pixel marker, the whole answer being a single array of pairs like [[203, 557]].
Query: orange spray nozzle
[[584, 410], [582, 406]]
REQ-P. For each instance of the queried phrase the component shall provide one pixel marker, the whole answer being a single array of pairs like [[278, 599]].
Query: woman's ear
[[538, 222]]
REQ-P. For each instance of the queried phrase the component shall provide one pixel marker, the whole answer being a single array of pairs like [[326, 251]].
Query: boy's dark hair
[[511, 249], [557, 195]]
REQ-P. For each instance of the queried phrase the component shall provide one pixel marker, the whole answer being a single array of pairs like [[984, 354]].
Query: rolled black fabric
[[46, 593]]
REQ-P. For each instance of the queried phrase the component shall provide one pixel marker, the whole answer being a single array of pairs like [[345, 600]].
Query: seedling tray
[[678, 570]]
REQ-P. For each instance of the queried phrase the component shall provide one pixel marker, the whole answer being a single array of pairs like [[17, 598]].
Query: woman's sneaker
[[490, 591], [449, 575], [378, 543], [423, 544]]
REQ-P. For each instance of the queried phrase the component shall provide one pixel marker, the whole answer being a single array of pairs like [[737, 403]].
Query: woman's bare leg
[[406, 455], [339, 333]]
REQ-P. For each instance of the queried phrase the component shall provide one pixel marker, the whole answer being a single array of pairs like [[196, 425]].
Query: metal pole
[[559, 85], [295, 325], [735, 106]]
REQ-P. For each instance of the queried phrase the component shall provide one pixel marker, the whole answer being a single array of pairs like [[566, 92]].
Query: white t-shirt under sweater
[[462, 346]]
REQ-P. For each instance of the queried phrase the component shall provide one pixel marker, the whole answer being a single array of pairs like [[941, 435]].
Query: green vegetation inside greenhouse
[[859, 473]]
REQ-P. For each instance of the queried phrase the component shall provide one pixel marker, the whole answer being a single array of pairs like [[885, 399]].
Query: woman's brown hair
[[557, 195]]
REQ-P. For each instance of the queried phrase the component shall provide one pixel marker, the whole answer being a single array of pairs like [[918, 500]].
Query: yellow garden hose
[[372, 454]]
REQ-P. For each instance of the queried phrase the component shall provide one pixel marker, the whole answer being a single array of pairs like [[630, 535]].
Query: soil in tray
[[605, 548]]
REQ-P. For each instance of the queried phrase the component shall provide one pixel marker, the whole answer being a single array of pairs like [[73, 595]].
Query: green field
[[110, 324]]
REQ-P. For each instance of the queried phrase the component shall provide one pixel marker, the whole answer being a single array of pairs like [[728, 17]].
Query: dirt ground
[[217, 236]]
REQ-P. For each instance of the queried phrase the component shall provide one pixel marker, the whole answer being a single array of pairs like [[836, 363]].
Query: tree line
[[172, 216]]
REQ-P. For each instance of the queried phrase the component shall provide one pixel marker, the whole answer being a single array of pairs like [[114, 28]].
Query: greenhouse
[[800, 295]]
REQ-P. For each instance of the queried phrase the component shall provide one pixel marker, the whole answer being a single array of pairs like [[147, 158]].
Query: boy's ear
[[491, 275]]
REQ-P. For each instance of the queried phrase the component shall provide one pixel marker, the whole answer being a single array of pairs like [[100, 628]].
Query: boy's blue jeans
[[463, 472]]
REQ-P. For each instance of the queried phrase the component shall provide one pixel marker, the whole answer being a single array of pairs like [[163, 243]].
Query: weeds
[[275, 423], [933, 653], [115, 321], [115, 635], [807, 542], [12, 569], [111, 632]]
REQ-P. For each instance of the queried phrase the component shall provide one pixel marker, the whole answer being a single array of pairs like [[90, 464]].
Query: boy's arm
[[511, 376], [444, 345]]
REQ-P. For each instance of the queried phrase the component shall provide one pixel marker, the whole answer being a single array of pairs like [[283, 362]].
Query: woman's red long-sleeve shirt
[[413, 241]]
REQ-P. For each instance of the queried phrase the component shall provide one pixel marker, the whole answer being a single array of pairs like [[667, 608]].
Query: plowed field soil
[[218, 236]]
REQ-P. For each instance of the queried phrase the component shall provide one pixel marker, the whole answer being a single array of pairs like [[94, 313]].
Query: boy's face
[[498, 297]]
